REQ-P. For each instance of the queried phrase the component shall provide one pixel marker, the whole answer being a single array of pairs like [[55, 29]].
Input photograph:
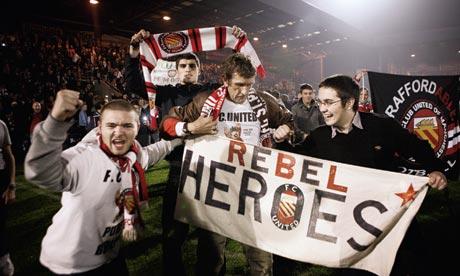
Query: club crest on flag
[[426, 121], [173, 43], [427, 128], [426, 106], [287, 207]]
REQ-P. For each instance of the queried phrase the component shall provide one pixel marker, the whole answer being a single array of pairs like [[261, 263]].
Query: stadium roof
[[310, 28]]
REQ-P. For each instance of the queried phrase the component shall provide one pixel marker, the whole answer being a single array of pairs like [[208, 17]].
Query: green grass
[[31, 214]]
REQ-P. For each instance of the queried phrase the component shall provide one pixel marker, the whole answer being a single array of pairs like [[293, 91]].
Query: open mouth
[[118, 143], [328, 116]]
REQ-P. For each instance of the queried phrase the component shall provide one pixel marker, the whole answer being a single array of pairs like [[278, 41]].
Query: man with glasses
[[373, 141], [306, 112]]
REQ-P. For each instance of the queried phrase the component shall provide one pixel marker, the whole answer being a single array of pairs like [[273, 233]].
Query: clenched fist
[[282, 133], [67, 103], [437, 180]]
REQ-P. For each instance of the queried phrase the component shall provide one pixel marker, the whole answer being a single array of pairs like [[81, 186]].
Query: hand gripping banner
[[427, 106], [299, 207]]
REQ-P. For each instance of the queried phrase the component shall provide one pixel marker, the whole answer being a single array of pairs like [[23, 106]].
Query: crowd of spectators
[[38, 61]]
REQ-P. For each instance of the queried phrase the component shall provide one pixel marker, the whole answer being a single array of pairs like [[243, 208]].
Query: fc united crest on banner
[[287, 207]]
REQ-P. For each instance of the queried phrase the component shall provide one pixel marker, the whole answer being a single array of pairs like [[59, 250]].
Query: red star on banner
[[407, 196]]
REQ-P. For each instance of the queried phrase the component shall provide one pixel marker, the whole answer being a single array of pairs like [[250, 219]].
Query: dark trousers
[[283, 266], [115, 267], [174, 232]]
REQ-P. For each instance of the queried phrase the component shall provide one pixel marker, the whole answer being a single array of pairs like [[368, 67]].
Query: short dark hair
[[237, 63], [187, 56], [305, 86], [119, 104], [345, 87]]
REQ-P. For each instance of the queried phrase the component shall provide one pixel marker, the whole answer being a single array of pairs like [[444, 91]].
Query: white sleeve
[[179, 129], [156, 152], [44, 165]]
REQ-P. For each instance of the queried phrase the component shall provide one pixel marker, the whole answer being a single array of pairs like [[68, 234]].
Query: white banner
[[299, 207], [164, 73]]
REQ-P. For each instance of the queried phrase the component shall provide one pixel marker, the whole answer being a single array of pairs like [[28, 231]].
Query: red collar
[[123, 162], [121, 159]]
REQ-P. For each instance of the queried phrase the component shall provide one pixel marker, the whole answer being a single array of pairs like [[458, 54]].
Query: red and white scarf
[[165, 45], [213, 105], [131, 194]]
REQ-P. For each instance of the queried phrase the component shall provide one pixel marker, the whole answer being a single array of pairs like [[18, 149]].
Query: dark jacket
[[379, 145], [306, 118], [167, 96]]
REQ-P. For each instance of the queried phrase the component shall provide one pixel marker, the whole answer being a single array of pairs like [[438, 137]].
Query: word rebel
[[245, 171]]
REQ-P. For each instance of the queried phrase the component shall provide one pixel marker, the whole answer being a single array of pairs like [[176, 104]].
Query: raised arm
[[135, 40], [44, 165], [132, 75]]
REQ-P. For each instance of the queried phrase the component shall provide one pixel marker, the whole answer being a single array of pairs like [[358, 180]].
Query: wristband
[[185, 129], [135, 44]]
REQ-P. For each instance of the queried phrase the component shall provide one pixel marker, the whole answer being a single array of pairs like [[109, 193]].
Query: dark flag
[[425, 105]]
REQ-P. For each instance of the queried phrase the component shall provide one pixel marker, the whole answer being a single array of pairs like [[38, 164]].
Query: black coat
[[380, 145], [167, 96]]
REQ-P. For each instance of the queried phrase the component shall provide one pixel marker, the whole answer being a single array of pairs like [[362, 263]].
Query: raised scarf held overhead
[[215, 100], [163, 45], [132, 192]]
